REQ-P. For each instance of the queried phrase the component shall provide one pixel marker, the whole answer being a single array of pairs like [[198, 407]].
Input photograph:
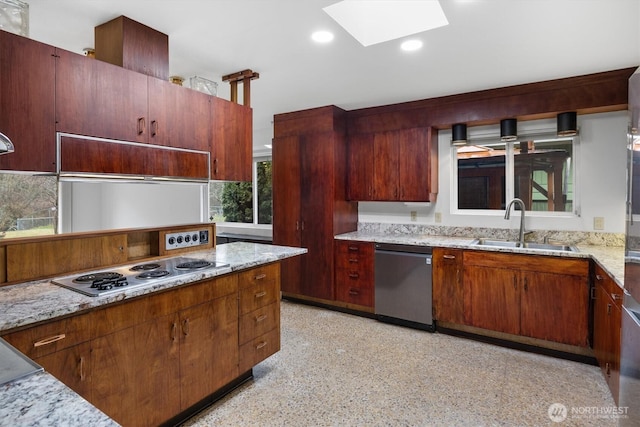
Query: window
[[29, 205], [243, 202], [538, 170]]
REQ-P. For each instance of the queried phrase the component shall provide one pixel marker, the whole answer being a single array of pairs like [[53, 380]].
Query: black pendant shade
[[459, 134], [508, 130], [568, 124]]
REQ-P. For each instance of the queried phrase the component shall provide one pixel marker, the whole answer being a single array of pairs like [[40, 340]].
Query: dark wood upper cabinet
[[232, 142], [27, 99], [397, 165], [134, 46], [94, 98], [178, 117]]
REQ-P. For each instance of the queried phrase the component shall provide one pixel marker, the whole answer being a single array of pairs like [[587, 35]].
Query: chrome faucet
[[507, 214]]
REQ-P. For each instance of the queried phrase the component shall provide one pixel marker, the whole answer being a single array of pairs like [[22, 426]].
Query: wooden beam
[[244, 76]]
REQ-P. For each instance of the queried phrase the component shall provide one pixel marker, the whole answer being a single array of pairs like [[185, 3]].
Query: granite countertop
[[41, 399], [610, 258]]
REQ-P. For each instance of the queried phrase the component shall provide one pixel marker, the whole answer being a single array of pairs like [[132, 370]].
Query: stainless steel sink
[[527, 245]]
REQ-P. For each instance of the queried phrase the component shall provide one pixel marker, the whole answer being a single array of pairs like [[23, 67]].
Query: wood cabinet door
[[448, 294], [27, 100], [316, 207], [232, 141], [555, 307], [157, 376], [413, 164], [386, 166], [72, 366], [208, 348], [178, 116], [286, 206], [492, 298], [360, 161], [114, 370], [94, 98], [607, 319]]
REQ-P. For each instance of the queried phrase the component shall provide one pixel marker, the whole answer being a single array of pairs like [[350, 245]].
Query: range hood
[[6, 146]]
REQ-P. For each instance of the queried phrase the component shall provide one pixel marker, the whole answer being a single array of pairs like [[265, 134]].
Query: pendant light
[[568, 124], [459, 134], [508, 130]]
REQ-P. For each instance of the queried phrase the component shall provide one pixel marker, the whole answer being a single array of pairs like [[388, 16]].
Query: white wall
[[93, 205], [601, 168]]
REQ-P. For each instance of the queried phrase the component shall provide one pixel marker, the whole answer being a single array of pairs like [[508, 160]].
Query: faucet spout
[[507, 215]]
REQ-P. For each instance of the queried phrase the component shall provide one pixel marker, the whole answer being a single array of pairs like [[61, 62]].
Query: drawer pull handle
[[174, 328], [353, 260], [598, 277], [49, 340], [261, 318], [185, 327], [141, 125], [354, 292], [354, 248], [81, 367], [354, 275], [616, 296], [262, 344], [261, 294], [260, 276], [449, 257]]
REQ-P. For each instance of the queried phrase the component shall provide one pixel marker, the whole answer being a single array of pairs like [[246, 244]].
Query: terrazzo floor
[[337, 369]]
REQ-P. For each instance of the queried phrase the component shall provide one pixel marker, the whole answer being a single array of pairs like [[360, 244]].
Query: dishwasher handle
[[427, 257]]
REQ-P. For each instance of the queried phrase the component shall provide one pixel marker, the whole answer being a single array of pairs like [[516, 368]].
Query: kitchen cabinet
[[540, 297], [95, 98], [231, 142], [62, 349], [355, 274], [309, 199], [259, 328], [399, 165], [27, 100], [178, 117], [607, 318], [448, 297]]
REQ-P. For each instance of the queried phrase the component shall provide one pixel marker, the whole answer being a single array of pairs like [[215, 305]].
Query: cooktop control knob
[[187, 238], [171, 240]]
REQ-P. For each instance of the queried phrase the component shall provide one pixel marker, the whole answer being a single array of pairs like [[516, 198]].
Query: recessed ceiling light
[[322, 36], [377, 21], [411, 45]]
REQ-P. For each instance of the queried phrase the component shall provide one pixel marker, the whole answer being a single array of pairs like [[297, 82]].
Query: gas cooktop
[[112, 280]]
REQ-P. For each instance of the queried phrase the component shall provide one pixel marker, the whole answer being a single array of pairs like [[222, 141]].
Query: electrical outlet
[[438, 217], [414, 215], [598, 223]]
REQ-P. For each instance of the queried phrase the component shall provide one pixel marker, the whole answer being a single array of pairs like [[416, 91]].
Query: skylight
[[376, 21]]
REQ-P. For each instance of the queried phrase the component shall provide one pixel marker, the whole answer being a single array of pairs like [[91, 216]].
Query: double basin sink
[[526, 245]]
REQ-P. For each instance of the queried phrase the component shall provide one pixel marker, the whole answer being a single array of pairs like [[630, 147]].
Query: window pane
[[481, 176], [543, 175], [230, 202], [264, 192], [29, 205]]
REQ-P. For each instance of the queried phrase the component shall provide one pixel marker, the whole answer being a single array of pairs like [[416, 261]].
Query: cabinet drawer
[[609, 285], [267, 273], [355, 249], [258, 349], [355, 293], [260, 294], [259, 322], [51, 337]]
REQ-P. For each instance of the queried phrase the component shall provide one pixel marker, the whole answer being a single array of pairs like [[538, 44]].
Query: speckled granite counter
[[43, 400], [610, 258]]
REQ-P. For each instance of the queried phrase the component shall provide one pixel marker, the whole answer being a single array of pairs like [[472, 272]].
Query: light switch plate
[[598, 223], [414, 215], [438, 217]]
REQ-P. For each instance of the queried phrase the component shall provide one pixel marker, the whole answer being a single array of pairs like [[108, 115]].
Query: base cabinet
[[355, 273], [144, 361], [607, 318], [541, 297]]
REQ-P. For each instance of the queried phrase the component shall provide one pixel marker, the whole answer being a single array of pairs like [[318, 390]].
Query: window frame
[[484, 135]]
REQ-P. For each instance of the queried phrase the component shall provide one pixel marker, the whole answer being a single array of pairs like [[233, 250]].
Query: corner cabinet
[[309, 201], [27, 102], [399, 165], [607, 319]]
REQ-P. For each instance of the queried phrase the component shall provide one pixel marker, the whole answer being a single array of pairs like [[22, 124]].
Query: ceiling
[[487, 44]]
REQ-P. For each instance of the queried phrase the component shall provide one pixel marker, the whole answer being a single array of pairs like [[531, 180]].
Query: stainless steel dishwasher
[[403, 285]]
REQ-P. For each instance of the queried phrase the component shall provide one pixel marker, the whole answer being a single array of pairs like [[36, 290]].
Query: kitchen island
[[33, 303]]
